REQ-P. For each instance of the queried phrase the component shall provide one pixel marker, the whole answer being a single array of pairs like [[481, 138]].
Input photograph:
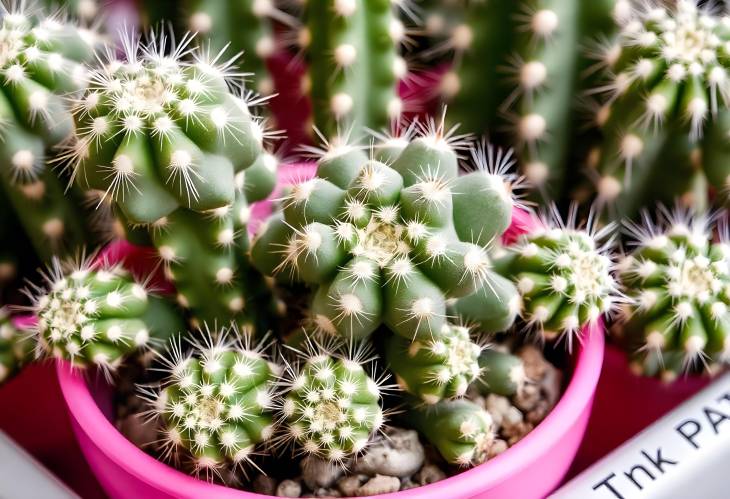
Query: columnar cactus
[[96, 315], [387, 244], [332, 408], [215, 404], [351, 47], [461, 430], [41, 60], [679, 282], [167, 140], [516, 66], [15, 348], [564, 275], [666, 103], [438, 368]]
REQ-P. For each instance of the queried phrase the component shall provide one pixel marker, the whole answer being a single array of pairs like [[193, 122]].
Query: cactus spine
[[354, 67], [215, 404], [679, 283]]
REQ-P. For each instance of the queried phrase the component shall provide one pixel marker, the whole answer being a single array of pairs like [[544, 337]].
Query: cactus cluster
[[215, 403], [665, 102], [679, 280], [95, 314]]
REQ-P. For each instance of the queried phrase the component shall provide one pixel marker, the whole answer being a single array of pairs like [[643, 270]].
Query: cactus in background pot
[[95, 314], [42, 61], [679, 281], [15, 348], [666, 105], [215, 403], [352, 47], [387, 244]]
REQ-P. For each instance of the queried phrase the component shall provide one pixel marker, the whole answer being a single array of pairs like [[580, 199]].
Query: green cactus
[[435, 369], [96, 315], [501, 373], [42, 60], [517, 66], [386, 244], [354, 67], [84, 10], [564, 275], [331, 408], [460, 430], [666, 103], [215, 404], [679, 284], [15, 349], [169, 143]]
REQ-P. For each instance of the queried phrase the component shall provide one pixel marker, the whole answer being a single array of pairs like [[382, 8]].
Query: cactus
[[15, 348], [42, 60], [166, 140], [386, 244], [215, 403], [354, 67], [95, 315], [460, 430], [564, 274], [435, 369], [666, 103], [501, 373], [331, 408], [516, 67], [84, 10], [679, 283]]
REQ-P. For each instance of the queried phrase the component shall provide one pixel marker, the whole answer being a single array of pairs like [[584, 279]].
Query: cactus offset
[[435, 369], [331, 408], [501, 373], [679, 282], [666, 103], [42, 61], [215, 404], [460, 430], [381, 242], [354, 67], [96, 315]]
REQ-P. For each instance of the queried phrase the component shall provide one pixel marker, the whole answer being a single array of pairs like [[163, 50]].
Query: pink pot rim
[[578, 394]]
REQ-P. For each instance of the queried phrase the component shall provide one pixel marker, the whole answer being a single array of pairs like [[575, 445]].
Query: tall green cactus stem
[[501, 373], [15, 349], [538, 41], [381, 243], [332, 408], [438, 368], [41, 61], [667, 98], [96, 315], [460, 430], [679, 282], [215, 404], [564, 275], [351, 47], [244, 26]]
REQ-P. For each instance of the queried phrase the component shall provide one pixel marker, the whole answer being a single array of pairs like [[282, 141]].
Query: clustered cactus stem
[[332, 407], [95, 314], [564, 274], [215, 403], [387, 243], [41, 60], [351, 47], [666, 99], [678, 279]]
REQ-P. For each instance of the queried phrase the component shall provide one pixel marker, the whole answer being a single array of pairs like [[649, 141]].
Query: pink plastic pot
[[530, 469]]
